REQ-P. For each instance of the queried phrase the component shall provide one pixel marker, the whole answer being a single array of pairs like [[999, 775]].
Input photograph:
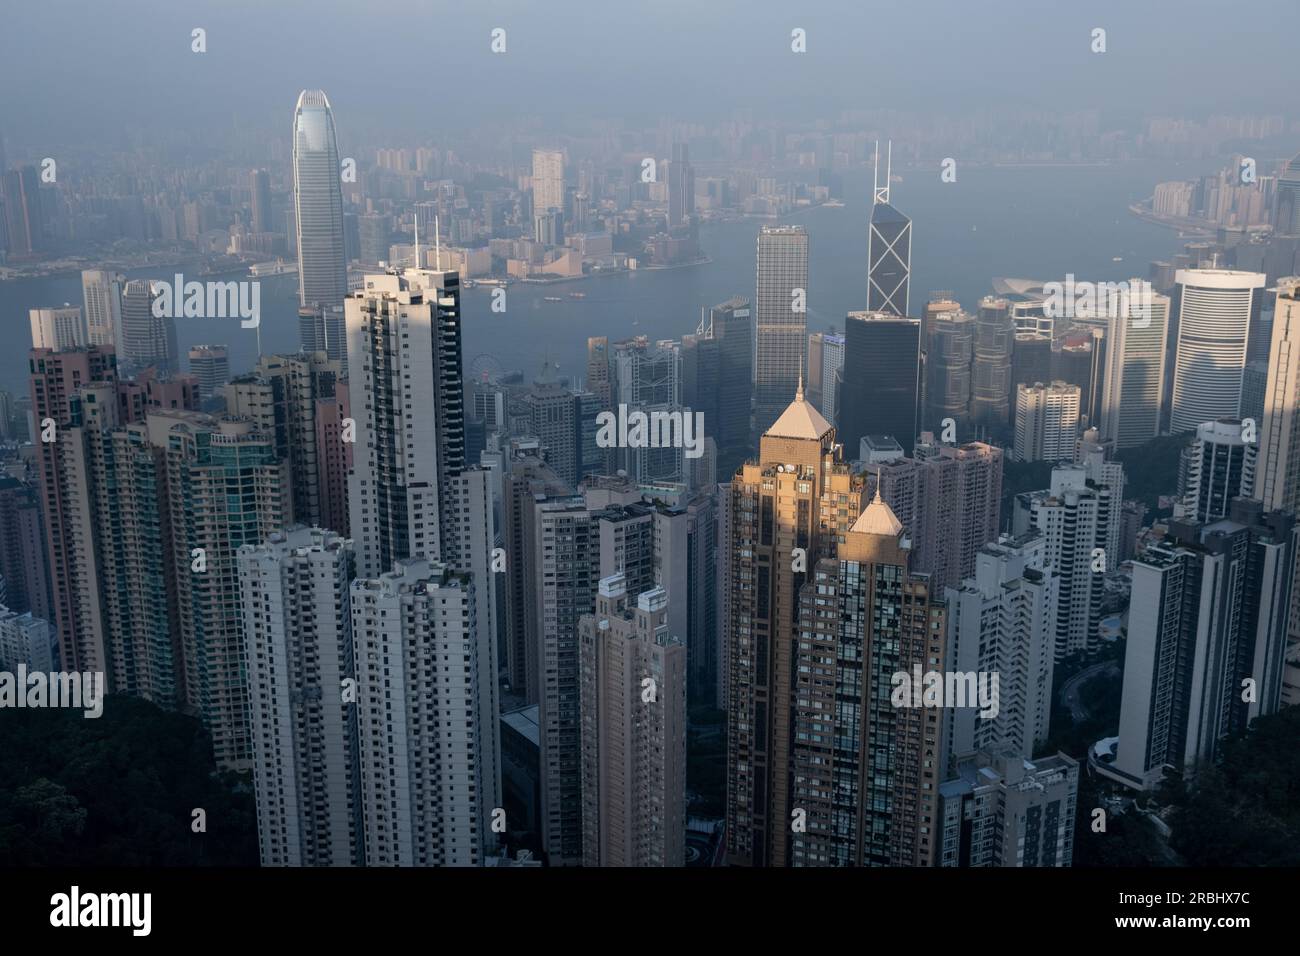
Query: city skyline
[[907, 478]]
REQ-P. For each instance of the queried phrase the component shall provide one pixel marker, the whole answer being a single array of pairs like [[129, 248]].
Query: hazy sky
[[72, 67]]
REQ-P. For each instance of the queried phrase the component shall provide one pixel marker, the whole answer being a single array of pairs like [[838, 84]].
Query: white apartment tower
[[1221, 466], [1047, 421], [298, 628], [421, 736], [1003, 621], [411, 494]]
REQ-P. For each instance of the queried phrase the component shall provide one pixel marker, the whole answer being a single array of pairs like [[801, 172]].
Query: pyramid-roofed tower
[[800, 420], [878, 518]]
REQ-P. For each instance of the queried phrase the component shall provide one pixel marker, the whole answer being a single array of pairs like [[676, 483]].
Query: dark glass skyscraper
[[880, 380], [731, 323], [681, 186], [22, 200], [995, 332]]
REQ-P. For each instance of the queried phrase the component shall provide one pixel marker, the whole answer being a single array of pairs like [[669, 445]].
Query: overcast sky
[[69, 68]]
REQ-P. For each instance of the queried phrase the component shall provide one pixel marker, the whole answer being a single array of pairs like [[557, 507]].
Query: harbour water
[[1023, 221]]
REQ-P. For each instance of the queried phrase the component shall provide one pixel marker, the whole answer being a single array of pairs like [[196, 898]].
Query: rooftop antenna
[[417, 240], [437, 244], [881, 193]]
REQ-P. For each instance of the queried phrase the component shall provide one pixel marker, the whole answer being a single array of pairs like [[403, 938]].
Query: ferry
[[551, 298], [276, 268], [577, 295]]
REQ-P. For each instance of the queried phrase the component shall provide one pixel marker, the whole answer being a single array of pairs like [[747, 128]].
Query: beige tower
[[633, 680], [866, 772], [786, 511]]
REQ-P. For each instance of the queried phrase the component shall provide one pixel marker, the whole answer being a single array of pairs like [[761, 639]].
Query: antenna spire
[[437, 243], [418, 264], [880, 193]]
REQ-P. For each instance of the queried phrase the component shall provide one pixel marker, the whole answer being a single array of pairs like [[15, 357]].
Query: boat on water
[[276, 268], [833, 204], [551, 298], [577, 295]]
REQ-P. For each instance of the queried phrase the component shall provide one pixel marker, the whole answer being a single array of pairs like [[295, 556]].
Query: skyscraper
[[1031, 360], [318, 206], [282, 395], [548, 184], [1047, 421], [102, 300], [1002, 810], [259, 182], [732, 324], [227, 489], [23, 564], [147, 339], [1218, 311], [296, 596], [1221, 468], [1207, 641], [427, 789], [991, 368], [786, 511], [411, 493], [56, 380], [526, 480], [865, 770], [404, 359], [1134, 383], [1286, 215], [681, 186], [22, 201], [58, 328], [949, 351], [780, 313], [1002, 620], [889, 249], [210, 364], [1277, 481], [825, 359], [1079, 517], [551, 409], [633, 683], [879, 383], [563, 586], [598, 369], [949, 501]]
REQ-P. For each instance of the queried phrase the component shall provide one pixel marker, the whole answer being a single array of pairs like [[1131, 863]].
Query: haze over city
[[621, 436]]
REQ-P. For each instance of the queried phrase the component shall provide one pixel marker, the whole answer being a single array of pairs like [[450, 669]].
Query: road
[[1070, 691]]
